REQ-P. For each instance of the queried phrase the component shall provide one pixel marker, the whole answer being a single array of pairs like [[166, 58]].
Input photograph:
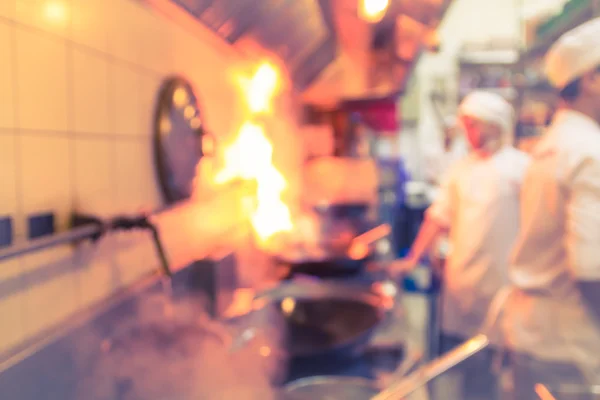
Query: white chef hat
[[489, 107], [574, 54]]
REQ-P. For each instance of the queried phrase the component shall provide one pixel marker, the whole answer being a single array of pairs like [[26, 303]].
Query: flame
[[250, 157], [373, 10], [261, 89]]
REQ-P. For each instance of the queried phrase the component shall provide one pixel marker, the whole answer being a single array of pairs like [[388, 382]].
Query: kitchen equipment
[[331, 388], [344, 387], [348, 388], [346, 261], [326, 319], [568, 392], [180, 139], [407, 385]]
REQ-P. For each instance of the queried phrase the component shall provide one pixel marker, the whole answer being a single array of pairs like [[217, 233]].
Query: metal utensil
[[431, 370], [422, 376]]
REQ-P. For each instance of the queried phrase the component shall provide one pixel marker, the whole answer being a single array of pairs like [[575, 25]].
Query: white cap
[[574, 54], [489, 107]]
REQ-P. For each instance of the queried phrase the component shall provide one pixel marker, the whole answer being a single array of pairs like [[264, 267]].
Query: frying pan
[[348, 260], [180, 138], [325, 320]]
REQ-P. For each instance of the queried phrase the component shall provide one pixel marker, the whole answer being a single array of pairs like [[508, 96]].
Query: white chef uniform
[[559, 242], [479, 202]]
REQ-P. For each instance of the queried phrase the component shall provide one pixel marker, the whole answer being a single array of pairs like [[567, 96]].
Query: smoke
[[167, 349]]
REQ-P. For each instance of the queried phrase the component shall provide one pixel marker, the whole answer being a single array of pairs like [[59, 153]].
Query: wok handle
[[543, 392], [359, 246]]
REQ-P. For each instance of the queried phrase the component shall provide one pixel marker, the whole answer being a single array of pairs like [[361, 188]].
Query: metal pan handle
[[405, 386]]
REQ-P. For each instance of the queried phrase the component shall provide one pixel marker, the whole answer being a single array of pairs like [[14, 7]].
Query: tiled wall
[[78, 80]]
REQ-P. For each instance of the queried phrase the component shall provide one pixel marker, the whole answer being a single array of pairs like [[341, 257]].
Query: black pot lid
[[180, 138]]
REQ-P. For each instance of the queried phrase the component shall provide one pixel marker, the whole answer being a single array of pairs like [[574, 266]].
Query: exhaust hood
[[295, 31], [328, 50]]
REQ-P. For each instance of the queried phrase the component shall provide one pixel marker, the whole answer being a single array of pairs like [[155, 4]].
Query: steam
[[165, 351]]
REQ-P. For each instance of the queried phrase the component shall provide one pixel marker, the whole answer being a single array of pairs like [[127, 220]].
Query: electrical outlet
[[40, 225], [6, 232]]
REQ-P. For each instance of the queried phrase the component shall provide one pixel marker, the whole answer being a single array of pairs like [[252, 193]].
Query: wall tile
[[52, 16], [125, 32], [89, 20], [126, 94], [90, 93], [45, 176], [136, 184], [99, 274], [7, 111], [42, 77], [12, 304], [53, 290], [8, 175], [7, 9], [156, 49], [94, 176], [149, 90]]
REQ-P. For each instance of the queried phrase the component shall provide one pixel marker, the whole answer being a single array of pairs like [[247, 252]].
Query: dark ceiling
[[301, 33]]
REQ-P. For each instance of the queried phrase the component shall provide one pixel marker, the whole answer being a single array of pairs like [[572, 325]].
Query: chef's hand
[[398, 267], [403, 266]]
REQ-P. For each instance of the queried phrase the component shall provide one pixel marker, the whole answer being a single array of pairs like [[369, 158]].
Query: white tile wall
[[12, 304], [41, 63], [45, 166], [94, 157], [7, 9], [78, 83], [90, 92], [8, 174], [126, 100], [7, 111]]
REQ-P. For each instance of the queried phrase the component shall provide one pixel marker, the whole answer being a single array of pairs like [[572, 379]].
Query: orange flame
[[250, 157]]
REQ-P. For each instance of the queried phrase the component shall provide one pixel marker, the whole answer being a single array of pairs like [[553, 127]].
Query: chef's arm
[[583, 233], [429, 231]]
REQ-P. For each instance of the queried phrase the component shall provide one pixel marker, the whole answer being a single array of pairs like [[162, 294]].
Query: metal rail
[[90, 228], [89, 231]]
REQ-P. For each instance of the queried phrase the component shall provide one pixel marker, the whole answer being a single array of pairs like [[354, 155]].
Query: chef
[[479, 205], [454, 148], [552, 322]]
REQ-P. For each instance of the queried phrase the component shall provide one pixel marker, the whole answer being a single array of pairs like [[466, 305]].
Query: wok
[[341, 260], [329, 387], [326, 320]]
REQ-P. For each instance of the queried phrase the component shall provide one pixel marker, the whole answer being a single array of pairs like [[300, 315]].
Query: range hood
[[295, 31], [330, 53]]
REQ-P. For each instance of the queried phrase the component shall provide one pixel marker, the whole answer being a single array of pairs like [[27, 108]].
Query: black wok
[[344, 261], [326, 319]]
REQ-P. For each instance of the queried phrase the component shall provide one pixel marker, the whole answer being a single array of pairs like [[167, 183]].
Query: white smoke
[[164, 351]]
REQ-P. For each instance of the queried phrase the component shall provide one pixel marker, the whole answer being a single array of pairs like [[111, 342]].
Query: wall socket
[[39, 225]]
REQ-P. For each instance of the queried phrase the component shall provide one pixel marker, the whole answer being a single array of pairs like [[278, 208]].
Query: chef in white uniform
[[454, 147], [479, 205], [552, 323]]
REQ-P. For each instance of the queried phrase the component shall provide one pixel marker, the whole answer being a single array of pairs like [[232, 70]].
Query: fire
[[250, 157]]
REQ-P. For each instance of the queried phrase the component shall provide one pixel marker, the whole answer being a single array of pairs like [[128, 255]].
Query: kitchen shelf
[[575, 13]]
